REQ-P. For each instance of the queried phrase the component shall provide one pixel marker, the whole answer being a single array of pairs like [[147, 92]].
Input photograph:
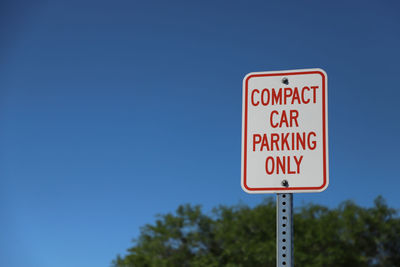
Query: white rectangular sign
[[285, 131]]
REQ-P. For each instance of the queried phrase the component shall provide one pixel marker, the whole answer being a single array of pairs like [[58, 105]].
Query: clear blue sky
[[114, 111]]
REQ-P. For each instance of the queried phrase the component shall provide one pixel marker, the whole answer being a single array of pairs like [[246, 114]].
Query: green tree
[[349, 235]]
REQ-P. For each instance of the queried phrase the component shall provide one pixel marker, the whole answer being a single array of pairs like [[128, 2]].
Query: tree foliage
[[349, 235]]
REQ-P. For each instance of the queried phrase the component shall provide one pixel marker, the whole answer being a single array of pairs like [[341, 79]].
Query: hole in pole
[[284, 203], [284, 225]]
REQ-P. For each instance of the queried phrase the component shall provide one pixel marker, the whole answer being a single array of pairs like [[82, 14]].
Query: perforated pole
[[284, 228]]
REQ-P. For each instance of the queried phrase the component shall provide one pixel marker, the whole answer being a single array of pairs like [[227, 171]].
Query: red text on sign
[[284, 141], [283, 165], [283, 119], [287, 95]]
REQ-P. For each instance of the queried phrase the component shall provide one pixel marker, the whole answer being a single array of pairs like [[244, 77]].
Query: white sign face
[[285, 131]]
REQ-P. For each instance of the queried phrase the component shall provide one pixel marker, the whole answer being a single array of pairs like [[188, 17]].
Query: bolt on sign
[[285, 131]]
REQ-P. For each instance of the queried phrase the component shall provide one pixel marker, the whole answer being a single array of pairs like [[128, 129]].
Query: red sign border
[[323, 75]]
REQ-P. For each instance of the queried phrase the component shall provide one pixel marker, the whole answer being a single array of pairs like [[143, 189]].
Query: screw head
[[285, 80], [285, 183]]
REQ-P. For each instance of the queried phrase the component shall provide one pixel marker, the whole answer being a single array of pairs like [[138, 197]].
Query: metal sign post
[[284, 230], [285, 142]]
